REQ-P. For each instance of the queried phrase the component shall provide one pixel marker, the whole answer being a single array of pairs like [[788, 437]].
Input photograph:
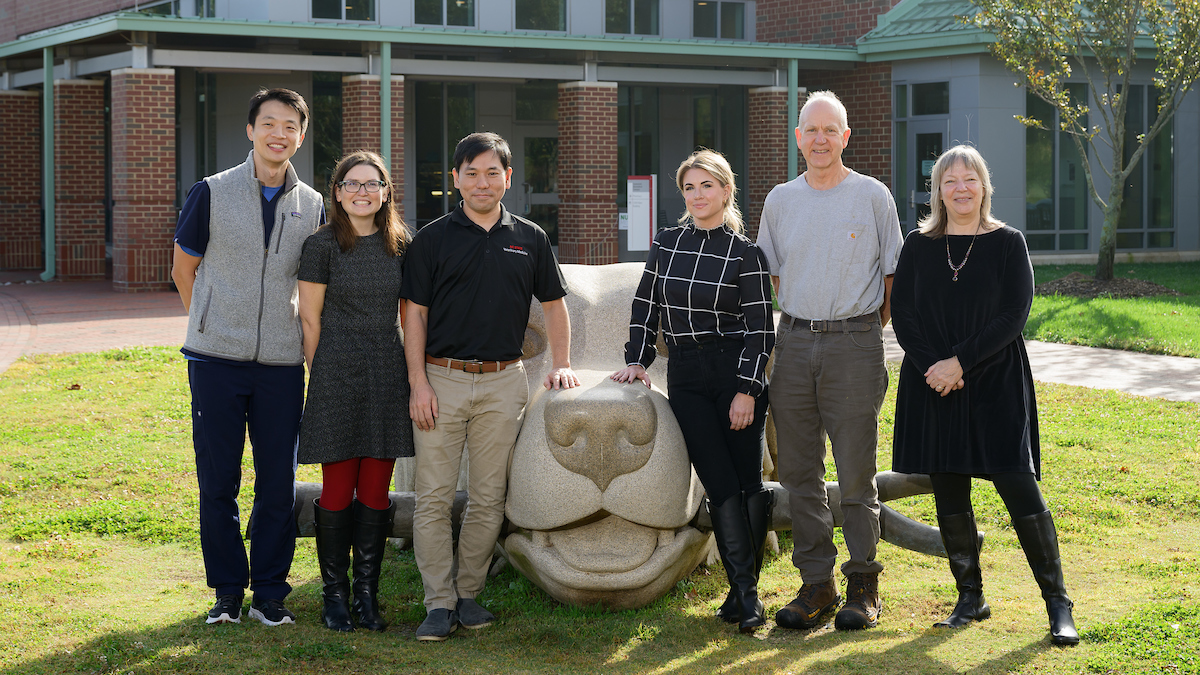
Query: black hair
[[477, 144], [285, 96]]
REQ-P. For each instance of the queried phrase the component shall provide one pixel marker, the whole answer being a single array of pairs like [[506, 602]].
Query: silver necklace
[[950, 261]]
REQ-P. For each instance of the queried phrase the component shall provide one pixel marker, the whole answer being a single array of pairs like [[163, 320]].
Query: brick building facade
[[176, 87]]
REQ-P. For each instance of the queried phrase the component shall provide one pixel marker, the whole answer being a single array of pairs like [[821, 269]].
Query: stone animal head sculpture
[[603, 505]]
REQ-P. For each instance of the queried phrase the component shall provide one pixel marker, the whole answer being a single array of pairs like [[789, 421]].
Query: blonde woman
[[965, 406], [708, 286]]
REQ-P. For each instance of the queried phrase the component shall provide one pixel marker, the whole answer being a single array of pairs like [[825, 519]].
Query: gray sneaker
[[438, 625], [472, 616]]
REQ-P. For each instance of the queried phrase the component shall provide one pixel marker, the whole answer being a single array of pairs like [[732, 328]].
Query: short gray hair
[[832, 99]]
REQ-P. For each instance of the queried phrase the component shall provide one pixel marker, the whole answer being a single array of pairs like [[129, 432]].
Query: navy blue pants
[[226, 401], [702, 380]]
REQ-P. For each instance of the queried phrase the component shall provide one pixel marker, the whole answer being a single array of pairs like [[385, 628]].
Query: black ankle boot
[[735, 543], [961, 539], [334, 532], [1040, 541], [371, 530], [758, 505]]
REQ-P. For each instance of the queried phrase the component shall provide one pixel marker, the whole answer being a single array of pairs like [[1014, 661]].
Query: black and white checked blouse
[[705, 284]]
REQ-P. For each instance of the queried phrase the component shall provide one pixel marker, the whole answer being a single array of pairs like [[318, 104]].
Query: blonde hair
[[830, 98], [718, 167], [934, 225]]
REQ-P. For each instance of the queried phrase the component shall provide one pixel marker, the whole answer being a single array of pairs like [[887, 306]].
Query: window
[[325, 129], [931, 98], [444, 113], [1147, 214], [344, 10], [724, 20], [537, 102], [637, 135], [541, 15], [1056, 193], [445, 12], [631, 17]]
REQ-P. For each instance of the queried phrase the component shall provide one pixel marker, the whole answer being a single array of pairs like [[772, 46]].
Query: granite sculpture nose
[[602, 432]]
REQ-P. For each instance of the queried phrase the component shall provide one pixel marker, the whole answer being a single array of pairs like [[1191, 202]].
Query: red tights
[[369, 477]]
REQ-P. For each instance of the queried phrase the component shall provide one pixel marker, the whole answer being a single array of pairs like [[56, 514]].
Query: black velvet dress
[[990, 425]]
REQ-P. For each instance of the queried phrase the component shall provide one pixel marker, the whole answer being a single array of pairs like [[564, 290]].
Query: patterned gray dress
[[357, 403]]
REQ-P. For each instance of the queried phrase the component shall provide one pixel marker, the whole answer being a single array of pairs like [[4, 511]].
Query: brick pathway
[[56, 317], [89, 317]]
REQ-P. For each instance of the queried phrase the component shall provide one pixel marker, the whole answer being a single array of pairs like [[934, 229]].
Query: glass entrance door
[[928, 140], [534, 192]]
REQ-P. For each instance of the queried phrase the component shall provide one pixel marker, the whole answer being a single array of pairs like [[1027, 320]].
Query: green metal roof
[[924, 28], [916, 29], [132, 21]]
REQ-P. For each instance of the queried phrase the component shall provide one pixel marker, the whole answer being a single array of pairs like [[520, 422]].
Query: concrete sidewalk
[[56, 317]]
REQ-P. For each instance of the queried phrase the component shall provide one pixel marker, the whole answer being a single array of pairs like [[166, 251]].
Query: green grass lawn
[[100, 568], [1162, 324]]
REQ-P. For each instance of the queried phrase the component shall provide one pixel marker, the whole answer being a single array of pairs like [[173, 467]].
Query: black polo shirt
[[478, 284]]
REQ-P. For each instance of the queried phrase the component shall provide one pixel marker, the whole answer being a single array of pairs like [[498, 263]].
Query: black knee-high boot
[[1040, 541], [735, 543], [758, 511], [334, 532], [371, 529], [961, 539]]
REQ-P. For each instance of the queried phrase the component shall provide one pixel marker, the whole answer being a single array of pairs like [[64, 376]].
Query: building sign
[[642, 221]]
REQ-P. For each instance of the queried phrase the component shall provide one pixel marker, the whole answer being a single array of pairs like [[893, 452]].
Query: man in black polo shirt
[[469, 277]]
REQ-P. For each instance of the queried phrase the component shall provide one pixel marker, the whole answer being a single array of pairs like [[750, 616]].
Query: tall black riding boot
[[1040, 541], [735, 543], [334, 532], [758, 511], [371, 530], [961, 539]]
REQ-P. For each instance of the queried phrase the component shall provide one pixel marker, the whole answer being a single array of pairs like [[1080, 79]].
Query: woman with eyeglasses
[[356, 415]]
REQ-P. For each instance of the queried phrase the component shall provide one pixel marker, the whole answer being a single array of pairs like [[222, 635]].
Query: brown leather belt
[[855, 324], [470, 366]]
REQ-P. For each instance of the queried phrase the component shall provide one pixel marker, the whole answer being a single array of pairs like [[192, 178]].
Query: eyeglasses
[[353, 185]]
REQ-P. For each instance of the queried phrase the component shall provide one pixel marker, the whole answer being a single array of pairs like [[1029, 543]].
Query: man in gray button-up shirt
[[832, 239]]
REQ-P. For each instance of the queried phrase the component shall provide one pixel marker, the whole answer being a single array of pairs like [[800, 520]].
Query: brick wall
[[143, 156], [21, 180], [79, 178], [825, 22], [360, 122], [587, 172], [18, 17], [770, 134], [866, 92]]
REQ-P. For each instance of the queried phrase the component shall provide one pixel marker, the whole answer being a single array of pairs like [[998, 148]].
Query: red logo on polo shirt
[[513, 248]]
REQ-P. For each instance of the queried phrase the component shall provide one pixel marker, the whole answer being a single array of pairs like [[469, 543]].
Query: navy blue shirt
[[191, 232]]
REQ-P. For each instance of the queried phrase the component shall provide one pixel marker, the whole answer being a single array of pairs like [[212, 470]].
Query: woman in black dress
[[965, 406], [711, 288], [356, 416]]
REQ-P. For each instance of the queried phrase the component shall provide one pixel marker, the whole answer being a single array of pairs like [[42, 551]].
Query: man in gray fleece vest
[[237, 250]]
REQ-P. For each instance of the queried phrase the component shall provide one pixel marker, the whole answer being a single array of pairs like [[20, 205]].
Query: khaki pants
[[483, 414], [829, 383]]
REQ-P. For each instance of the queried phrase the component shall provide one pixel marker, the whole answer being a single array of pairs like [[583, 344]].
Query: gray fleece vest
[[244, 302]]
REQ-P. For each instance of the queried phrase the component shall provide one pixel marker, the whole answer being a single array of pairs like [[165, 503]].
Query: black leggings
[[702, 381], [1020, 493]]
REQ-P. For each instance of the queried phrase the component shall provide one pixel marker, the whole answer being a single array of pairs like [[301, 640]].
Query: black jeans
[[702, 380]]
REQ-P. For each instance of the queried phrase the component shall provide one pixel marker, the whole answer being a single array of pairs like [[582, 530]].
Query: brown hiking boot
[[862, 603], [811, 602]]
